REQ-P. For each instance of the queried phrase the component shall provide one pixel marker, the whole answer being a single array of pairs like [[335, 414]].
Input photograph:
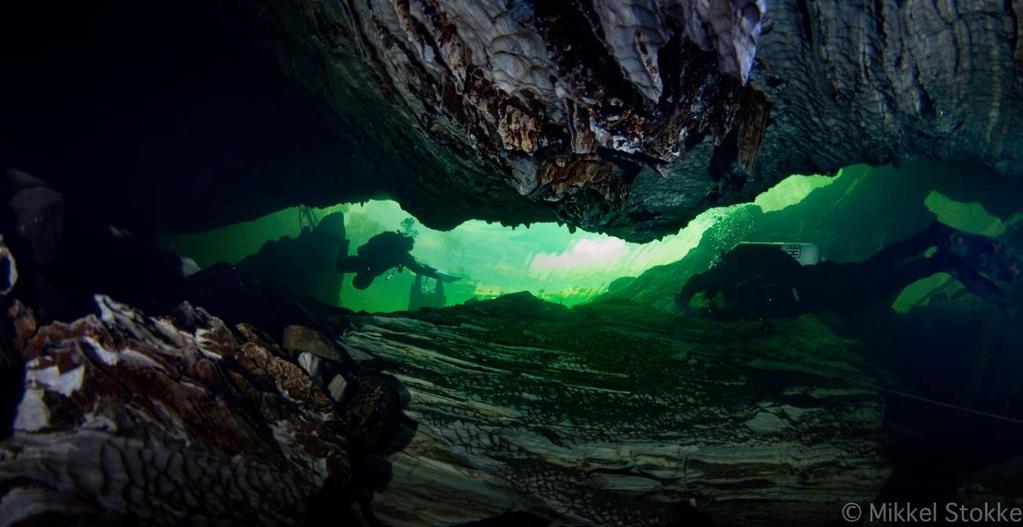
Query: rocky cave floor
[[513, 411]]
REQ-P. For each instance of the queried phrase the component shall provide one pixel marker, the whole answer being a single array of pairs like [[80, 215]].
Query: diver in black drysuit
[[382, 252], [763, 281]]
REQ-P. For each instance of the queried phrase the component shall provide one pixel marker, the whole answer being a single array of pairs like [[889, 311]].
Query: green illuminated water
[[546, 259], [549, 260]]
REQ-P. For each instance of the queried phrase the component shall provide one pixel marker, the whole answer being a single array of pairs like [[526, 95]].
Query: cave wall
[[625, 117]]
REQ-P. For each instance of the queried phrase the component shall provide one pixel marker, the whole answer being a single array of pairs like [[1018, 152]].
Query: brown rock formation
[[168, 421], [627, 117]]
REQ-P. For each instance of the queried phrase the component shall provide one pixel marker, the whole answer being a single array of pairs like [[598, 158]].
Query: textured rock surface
[[628, 117], [571, 102], [126, 419], [608, 111], [300, 339], [613, 415]]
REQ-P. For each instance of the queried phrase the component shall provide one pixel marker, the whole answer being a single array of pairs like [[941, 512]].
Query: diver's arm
[[430, 272], [412, 265], [911, 247], [427, 271]]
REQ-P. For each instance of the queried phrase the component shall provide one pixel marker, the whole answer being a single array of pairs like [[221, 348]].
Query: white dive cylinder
[[804, 253]]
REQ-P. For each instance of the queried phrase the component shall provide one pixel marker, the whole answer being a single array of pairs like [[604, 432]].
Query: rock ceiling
[[628, 117]]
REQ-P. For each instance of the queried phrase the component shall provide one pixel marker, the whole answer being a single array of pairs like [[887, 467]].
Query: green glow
[[791, 190], [545, 259], [969, 217], [234, 242]]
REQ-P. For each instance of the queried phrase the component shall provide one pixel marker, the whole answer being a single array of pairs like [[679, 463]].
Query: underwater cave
[[447, 263]]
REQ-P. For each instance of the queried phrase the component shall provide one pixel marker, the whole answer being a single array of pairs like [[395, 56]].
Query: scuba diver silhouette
[[382, 252], [762, 281]]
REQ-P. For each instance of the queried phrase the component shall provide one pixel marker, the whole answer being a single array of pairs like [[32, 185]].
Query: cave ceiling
[[626, 117]]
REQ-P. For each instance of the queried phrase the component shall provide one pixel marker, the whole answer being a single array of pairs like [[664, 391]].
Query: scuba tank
[[804, 253]]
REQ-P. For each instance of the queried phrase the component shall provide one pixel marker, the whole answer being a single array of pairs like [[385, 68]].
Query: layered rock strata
[[595, 419]]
